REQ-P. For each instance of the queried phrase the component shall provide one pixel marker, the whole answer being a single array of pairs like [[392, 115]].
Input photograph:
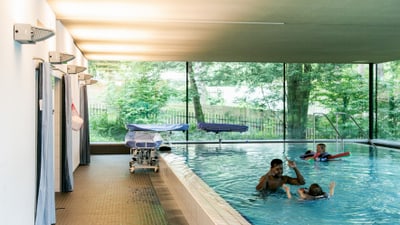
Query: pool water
[[367, 183]]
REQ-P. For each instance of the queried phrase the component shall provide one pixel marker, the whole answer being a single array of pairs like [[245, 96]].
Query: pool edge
[[200, 204]]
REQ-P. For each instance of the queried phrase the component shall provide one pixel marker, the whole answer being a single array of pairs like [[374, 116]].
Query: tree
[[134, 94], [198, 110], [343, 89], [299, 77], [388, 100]]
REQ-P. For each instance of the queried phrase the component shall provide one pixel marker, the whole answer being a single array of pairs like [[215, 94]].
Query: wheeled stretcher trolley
[[144, 142]]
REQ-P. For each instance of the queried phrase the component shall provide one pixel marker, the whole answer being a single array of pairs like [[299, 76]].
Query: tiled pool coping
[[199, 203]]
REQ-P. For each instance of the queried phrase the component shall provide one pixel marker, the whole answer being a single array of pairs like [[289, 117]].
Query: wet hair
[[276, 162], [323, 146], [315, 190]]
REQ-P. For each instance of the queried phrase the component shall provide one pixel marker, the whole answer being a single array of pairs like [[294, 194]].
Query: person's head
[[321, 148], [277, 167], [315, 190]]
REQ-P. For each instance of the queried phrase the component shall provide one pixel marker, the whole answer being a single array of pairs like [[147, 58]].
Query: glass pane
[[236, 93], [327, 101], [388, 101], [135, 92]]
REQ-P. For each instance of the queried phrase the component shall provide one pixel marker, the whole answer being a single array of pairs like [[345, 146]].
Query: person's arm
[[316, 156], [287, 190], [301, 193], [299, 180], [332, 188], [262, 183]]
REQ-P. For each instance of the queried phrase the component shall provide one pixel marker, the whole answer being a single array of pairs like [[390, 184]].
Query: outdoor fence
[[261, 126]]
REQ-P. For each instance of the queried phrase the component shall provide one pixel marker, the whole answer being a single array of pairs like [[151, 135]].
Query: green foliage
[[104, 130], [388, 96], [137, 94], [139, 98], [342, 89], [134, 94]]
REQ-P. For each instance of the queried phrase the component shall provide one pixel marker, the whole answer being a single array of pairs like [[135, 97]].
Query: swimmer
[[314, 192], [307, 154], [320, 155], [274, 179]]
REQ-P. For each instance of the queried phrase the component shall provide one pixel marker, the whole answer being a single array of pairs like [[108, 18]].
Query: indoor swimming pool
[[367, 182]]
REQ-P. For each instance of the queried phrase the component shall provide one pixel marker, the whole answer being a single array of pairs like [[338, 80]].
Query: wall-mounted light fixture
[[90, 82], [73, 69], [58, 57], [27, 34], [84, 76], [86, 79]]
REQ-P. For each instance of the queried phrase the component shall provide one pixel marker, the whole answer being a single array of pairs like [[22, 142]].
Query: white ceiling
[[319, 31]]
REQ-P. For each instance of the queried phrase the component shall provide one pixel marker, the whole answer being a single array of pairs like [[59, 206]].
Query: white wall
[[17, 110]]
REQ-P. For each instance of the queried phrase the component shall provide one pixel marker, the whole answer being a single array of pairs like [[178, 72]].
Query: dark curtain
[[85, 138], [66, 139], [39, 97]]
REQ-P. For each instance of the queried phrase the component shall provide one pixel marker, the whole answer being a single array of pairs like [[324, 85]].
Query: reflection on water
[[367, 183]]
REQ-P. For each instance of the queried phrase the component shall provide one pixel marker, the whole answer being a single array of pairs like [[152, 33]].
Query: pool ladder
[[335, 127]]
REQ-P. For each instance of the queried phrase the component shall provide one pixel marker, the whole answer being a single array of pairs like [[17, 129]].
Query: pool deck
[[105, 192]]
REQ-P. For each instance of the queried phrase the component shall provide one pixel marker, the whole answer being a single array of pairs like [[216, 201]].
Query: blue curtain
[[45, 204], [85, 137], [67, 179]]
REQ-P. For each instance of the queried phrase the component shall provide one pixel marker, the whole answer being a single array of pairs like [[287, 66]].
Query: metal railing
[[336, 128], [338, 135]]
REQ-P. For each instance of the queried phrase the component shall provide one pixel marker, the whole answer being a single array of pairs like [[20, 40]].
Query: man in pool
[[274, 178]]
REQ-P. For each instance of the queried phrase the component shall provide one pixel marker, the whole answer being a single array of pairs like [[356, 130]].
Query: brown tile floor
[[106, 193]]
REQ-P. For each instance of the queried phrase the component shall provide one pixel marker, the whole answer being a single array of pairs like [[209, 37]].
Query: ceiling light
[[108, 34], [104, 11], [114, 57], [112, 48]]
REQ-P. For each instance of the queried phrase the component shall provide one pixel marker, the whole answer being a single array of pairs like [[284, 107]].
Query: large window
[[327, 101], [237, 93], [134, 92], [275, 100], [388, 101]]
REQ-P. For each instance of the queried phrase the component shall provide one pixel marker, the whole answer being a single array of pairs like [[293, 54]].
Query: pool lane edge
[[200, 204]]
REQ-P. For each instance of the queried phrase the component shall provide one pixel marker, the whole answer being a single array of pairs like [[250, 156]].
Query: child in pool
[[307, 154], [320, 155], [314, 192]]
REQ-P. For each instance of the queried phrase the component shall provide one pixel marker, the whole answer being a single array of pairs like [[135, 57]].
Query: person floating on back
[[314, 192]]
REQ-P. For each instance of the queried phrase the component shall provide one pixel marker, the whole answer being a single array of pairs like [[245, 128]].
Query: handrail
[[352, 118], [357, 124], [338, 135]]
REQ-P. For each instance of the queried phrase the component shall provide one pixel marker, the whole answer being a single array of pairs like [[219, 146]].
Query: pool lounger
[[222, 127], [217, 128], [144, 142], [157, 127]]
